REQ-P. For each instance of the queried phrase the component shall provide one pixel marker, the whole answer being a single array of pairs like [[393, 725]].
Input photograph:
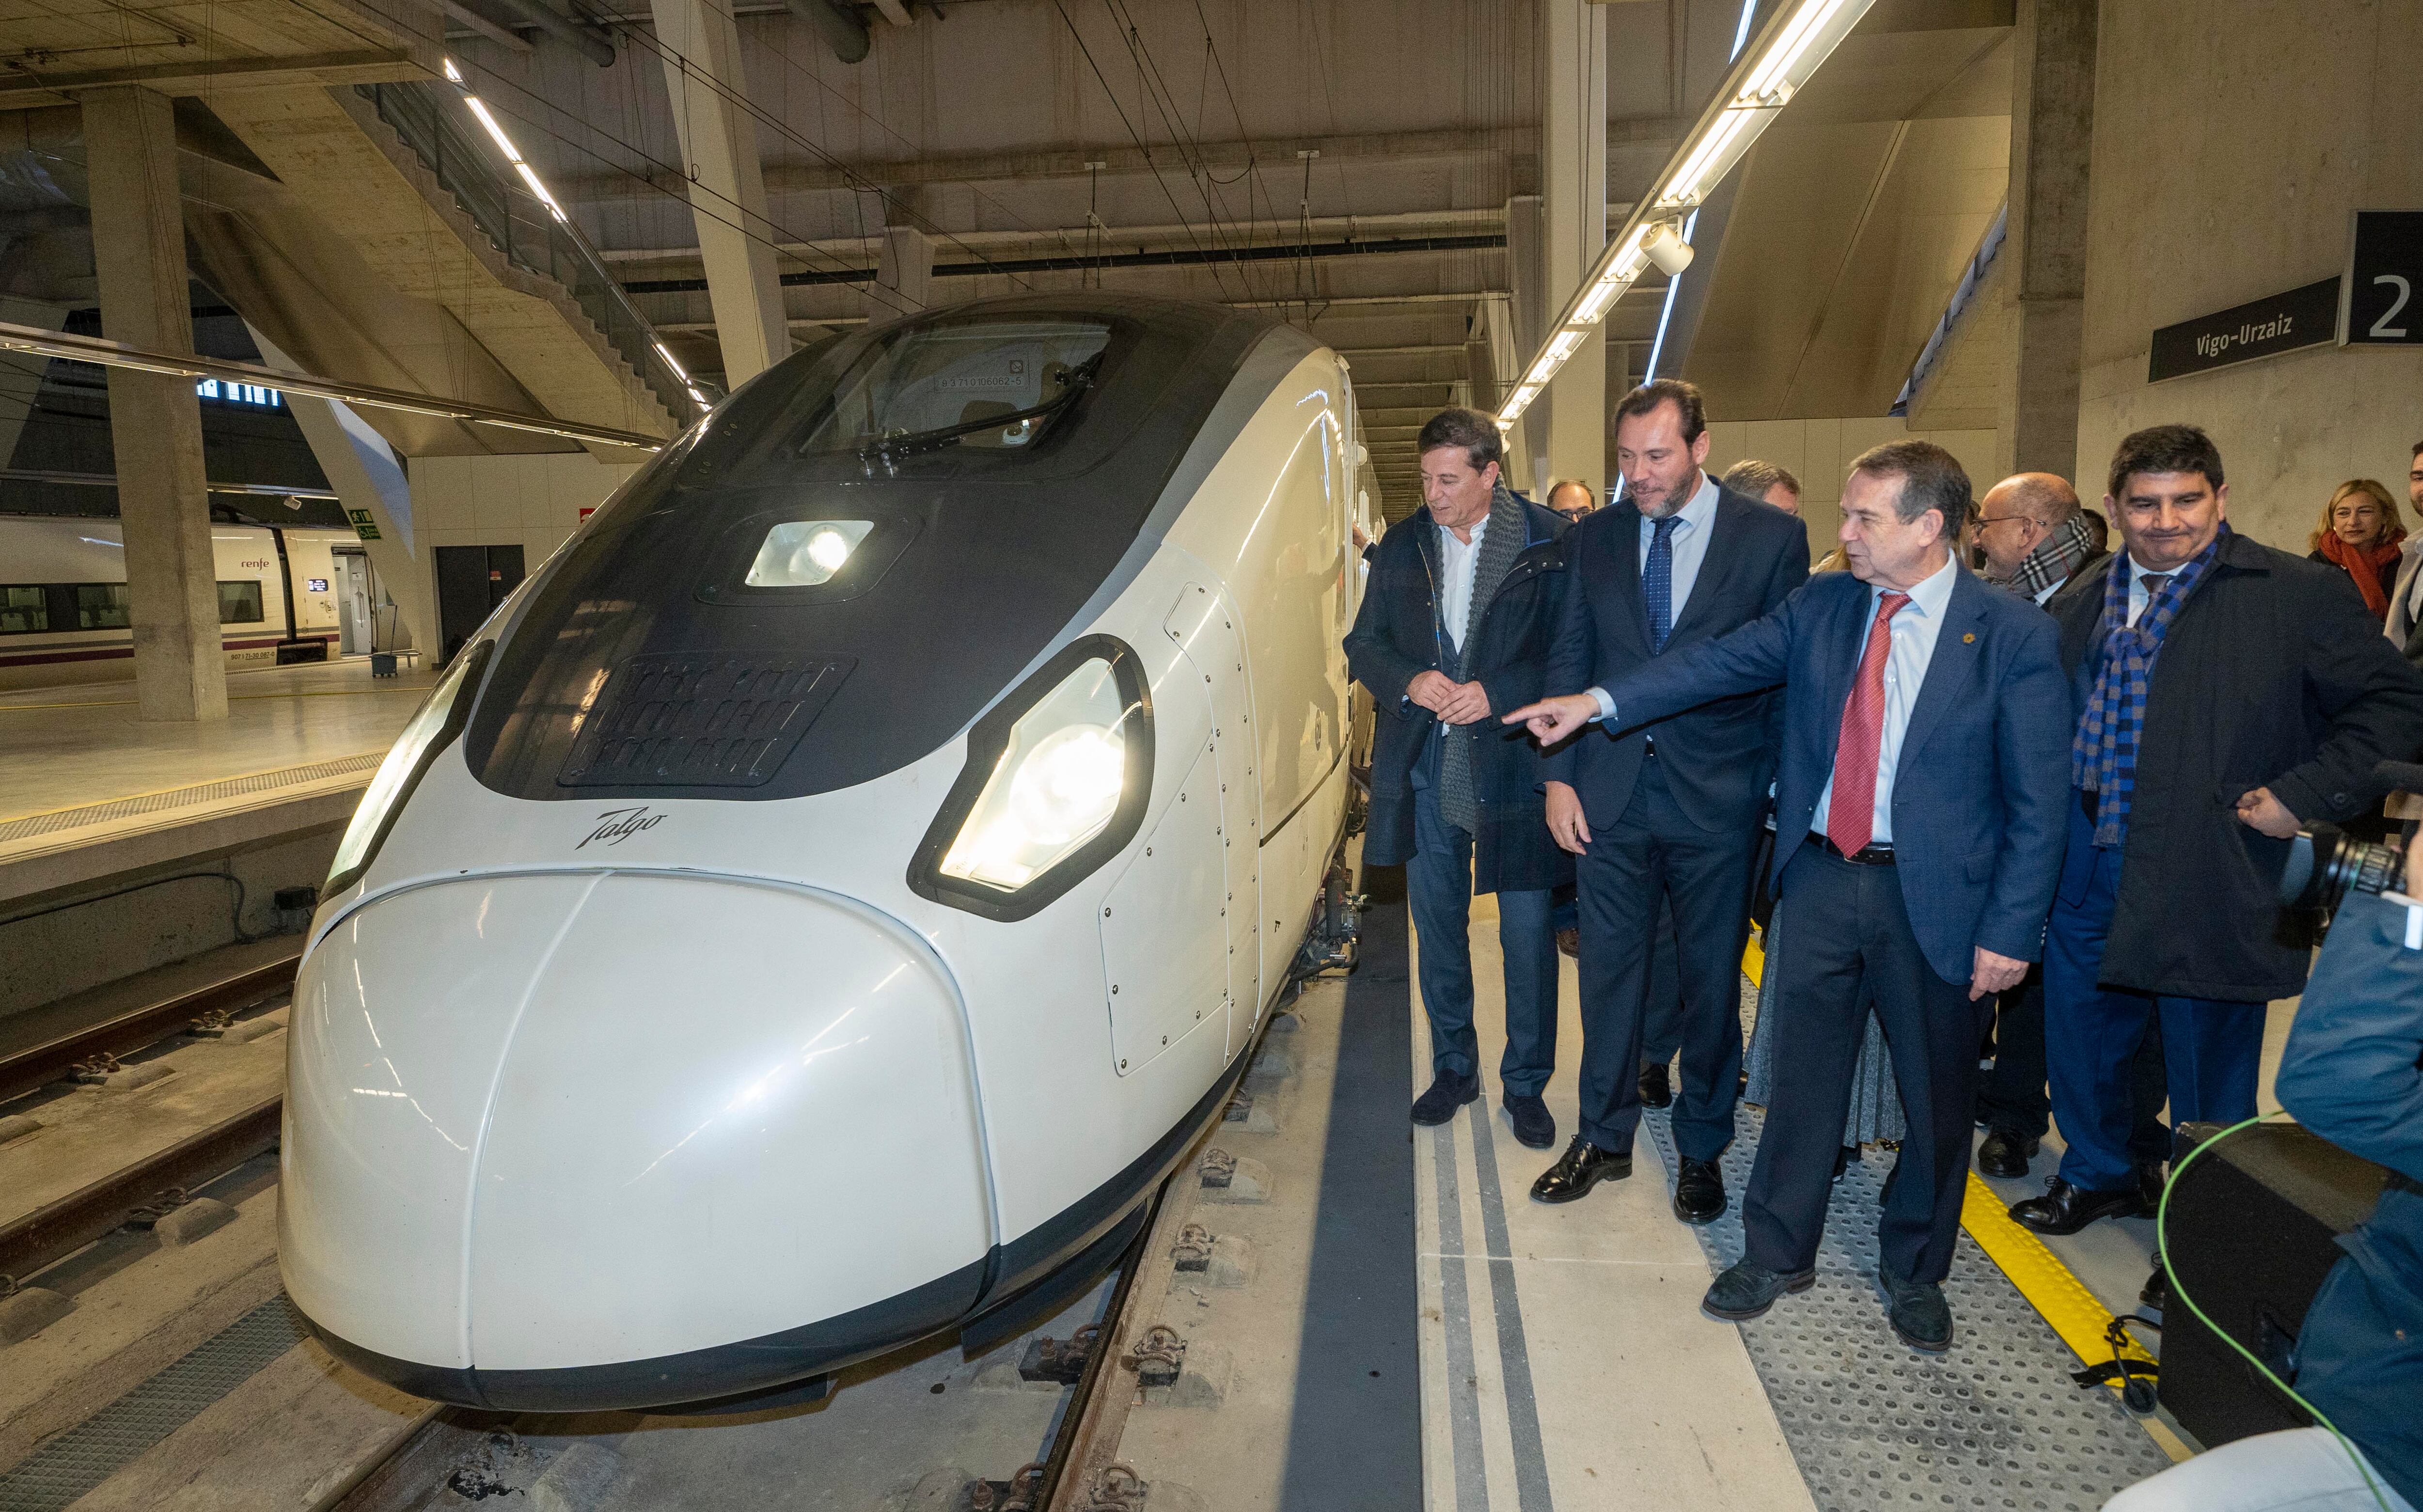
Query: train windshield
[[993, 385]]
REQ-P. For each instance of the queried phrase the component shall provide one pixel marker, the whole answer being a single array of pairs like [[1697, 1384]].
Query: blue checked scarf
[[2103, 757]]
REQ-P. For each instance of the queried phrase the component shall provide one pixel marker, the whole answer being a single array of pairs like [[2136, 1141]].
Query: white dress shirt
[[2137, 594], [1914, 631], [1455, 594], [1696, 521]]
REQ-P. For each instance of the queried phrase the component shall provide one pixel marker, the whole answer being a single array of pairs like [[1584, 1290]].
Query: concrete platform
[[1565, 1362], [80, 746]]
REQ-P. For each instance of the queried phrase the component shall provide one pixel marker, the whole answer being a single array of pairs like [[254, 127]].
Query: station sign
[[2260, 327], [2384, 275]]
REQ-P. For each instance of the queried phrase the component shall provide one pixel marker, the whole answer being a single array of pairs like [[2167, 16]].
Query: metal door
[[1204, 624]]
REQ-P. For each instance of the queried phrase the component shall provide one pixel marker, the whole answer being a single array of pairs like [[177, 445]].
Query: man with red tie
[[1920, 809]]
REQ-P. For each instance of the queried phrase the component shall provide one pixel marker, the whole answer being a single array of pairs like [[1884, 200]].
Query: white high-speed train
[[828, 897], [65, 615]]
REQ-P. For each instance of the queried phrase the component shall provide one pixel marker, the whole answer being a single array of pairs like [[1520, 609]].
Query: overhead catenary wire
[[1135, 136], [1165, 104], [759, 112]]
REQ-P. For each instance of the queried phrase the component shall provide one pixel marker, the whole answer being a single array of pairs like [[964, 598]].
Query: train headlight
[[1055, 784], [801, 553], [433, 730]]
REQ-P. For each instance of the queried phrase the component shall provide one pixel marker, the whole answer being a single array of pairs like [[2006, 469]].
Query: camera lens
[[2324, 863]]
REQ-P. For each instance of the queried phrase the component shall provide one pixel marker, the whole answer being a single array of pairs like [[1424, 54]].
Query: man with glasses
[[2032, 535]]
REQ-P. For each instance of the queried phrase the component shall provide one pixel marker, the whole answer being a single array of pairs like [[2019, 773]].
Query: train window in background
[[101, 606], [240, 603], [23, 609]]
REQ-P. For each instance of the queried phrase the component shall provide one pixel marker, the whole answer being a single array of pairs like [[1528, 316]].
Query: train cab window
[[240, 603], [979, 385], [101, 606], [23, 609]]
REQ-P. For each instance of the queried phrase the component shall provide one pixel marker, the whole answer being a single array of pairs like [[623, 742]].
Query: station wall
[[2233, 138], [531, 502], [1819, 453]]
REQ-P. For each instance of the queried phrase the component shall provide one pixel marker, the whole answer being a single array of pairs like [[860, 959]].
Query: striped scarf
[[2058, 555], [2103, 757]]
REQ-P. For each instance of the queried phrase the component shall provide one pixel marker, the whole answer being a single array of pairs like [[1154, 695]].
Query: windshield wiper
[[892, 448]]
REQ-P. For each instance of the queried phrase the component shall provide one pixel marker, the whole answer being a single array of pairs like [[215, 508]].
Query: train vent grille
[[700, 721]]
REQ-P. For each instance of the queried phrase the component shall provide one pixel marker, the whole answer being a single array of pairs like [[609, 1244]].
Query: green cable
[[2162, 1242]]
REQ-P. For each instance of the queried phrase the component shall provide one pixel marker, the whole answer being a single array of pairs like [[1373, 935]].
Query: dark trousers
[[2014, 1098], [1850, 944], [1654, 853], [2211, 1050], [1661, 1025], [1438, 888]]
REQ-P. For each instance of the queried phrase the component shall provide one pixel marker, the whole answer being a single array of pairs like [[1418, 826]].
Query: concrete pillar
[[21, 376], [2053, 129], [1514, 326], [727, 183], [155, 423], [1573, 179], [905, 271]]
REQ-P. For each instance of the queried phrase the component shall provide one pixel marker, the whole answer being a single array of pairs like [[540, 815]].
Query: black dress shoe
[[1447, 1095], [1655, 1091], [1699, 1191], [1746, 1291], [2066, 1209], [1842, 1158], [1920, 1316], [2155, 1293], [2005, 1155], [1582, 1167], [1569, 942], [2150, 1181], [1534, 1125]]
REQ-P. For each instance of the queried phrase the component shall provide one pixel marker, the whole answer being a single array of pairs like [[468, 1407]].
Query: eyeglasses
[[1984, 521]]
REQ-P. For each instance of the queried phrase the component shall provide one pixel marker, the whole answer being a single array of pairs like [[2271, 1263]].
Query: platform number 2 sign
[[2385, 269]]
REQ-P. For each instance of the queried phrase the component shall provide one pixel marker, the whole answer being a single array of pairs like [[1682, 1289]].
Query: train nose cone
[[561, 1142]]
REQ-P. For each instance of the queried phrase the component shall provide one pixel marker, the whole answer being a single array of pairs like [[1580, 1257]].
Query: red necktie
[[1851, 822]]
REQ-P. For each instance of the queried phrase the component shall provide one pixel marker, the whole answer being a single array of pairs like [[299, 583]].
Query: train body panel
[[65, 615], [683, 1189]]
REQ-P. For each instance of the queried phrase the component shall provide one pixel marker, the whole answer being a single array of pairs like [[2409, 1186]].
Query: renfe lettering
[[2246, 335]]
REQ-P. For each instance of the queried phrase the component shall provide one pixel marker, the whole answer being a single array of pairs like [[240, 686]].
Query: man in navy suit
[[1920, 819], [1667, 815]]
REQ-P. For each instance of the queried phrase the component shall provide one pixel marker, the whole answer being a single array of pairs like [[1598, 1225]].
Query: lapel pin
[[1969, 638]]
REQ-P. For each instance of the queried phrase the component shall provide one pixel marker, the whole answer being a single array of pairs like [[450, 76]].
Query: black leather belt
[[1873, 855]]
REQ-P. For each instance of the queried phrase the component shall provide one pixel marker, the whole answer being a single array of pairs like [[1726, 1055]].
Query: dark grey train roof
[[640, 666]]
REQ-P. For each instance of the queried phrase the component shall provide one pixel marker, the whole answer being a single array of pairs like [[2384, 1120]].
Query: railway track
[[34, 1240]]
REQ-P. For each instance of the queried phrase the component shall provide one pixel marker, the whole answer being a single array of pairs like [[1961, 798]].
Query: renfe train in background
[[285, 595], [823, 903]]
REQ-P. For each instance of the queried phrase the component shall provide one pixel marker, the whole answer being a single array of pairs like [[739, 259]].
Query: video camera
[[2323, 863]]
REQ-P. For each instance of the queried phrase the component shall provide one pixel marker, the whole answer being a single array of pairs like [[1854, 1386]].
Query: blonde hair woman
[[2360, 533]]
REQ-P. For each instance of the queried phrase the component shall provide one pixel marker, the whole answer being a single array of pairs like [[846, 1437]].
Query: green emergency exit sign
[[363, 525]]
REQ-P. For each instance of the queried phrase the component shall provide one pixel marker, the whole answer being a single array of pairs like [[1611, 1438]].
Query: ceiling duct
[[840, 25]]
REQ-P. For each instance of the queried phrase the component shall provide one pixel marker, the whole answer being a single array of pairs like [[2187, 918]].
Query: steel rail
[[23, 1071], [59, 1229]]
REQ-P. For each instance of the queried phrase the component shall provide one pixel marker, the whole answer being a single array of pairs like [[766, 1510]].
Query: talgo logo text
[[617, 825]]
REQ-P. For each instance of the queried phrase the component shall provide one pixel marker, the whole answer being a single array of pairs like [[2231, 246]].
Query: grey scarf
[[1500, 546]]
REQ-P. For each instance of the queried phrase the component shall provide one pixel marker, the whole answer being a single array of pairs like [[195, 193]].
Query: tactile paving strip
[[1996, 1422], [209, 792], [109, 1441]]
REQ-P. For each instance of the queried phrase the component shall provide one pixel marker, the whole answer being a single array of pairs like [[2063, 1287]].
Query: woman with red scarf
[[2360, 534]]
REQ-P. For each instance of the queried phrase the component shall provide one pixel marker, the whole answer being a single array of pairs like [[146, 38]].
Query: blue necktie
[[1658, 582]]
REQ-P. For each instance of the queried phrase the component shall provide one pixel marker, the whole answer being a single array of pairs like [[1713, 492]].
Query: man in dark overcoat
[[2226, 694], [1464, 596]]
